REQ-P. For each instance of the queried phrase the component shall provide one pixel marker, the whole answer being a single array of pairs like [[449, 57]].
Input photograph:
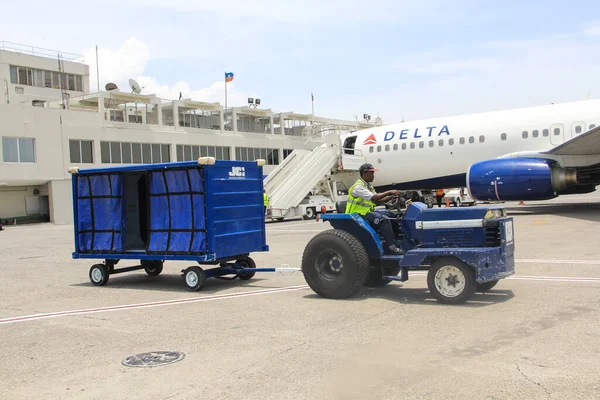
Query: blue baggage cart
[[207, 211]]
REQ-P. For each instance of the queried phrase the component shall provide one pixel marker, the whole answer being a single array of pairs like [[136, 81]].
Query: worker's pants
[[379, 222]]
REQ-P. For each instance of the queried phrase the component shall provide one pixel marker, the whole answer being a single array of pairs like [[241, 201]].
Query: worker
[[265, 201], [362, 199], [439, 194]]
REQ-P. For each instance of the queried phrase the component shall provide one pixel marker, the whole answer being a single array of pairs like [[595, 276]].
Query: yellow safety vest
[[265, 199], [358, 205]]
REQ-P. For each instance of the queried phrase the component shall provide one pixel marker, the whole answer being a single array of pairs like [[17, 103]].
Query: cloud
[[117, 65], [129, 61]]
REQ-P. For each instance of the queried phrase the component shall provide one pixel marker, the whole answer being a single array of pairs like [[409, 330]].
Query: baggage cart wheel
[[152, 268], [486, 286], [246, 262], [335, 264], [99, 274], [194, 278], [451, 281]]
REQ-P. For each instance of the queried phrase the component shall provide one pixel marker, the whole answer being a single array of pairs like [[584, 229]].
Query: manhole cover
[[153, 359]]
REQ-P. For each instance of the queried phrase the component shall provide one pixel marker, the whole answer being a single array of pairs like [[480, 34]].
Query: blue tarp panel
[[177, 223], [99, 213]]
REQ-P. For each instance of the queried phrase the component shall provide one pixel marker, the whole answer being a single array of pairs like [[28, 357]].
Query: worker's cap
[[366, 168]]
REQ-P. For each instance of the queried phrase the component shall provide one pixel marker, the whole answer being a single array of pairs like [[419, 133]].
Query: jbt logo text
[[237, 172]]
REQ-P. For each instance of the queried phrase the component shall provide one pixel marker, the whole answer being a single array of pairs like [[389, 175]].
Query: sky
[[400, 60]]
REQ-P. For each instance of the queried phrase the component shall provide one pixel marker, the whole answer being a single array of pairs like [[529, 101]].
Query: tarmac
[[534, 336]]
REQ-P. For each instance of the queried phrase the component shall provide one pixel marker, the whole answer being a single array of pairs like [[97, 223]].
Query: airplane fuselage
[[436, 153]]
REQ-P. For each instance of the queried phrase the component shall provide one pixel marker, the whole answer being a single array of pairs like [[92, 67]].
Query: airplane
[[532, 153]]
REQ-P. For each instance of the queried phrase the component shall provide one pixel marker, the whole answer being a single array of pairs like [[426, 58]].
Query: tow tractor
[[463, 250]]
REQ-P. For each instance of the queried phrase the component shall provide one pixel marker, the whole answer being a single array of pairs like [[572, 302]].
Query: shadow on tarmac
[[171, 282], [421, 296]]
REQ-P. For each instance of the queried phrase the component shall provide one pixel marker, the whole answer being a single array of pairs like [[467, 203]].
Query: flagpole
[[313, 103], [225, 92]]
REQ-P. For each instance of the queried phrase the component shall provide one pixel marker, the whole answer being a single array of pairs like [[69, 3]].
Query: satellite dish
[[110, 86], [135, 87]]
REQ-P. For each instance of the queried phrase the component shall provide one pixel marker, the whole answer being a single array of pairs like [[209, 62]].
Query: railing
[[39, 51]]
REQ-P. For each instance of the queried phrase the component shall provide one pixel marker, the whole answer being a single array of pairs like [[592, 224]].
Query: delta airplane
[[534, 153]]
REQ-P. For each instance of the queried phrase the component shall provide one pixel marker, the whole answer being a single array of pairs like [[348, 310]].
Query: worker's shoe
[[395, 249]]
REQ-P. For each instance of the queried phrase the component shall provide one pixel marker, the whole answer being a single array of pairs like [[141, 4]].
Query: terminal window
[[252, 154], [21, 150], [81, 151], [43, 78], [134, 153], [191, 152], [287, 152]]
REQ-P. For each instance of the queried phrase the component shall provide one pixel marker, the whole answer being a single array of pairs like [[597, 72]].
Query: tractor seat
[[340, 207]]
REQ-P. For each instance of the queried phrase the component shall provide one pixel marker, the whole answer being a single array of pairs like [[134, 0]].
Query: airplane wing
[[586, 144]]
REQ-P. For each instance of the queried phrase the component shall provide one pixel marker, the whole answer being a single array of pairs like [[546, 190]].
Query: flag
[[228, 76], [312, 97]]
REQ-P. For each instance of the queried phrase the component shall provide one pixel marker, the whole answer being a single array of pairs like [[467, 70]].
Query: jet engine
[[513, 179]]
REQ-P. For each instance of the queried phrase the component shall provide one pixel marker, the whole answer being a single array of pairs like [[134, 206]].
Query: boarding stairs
[[293, 179]]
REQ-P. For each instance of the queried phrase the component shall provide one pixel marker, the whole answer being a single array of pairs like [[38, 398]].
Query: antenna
[[110, 86], [135, 87]]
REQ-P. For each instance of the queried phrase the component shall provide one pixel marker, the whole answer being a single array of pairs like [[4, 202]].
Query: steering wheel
[[396, 203]]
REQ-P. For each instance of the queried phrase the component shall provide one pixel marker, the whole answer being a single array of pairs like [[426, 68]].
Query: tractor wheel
[[335, 264], [486, 286], [451, 281], [375, 278]]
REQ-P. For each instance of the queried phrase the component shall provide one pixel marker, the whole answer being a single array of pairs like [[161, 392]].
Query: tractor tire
[[451, 281], [375, 277], [486, 286], [335, 264]]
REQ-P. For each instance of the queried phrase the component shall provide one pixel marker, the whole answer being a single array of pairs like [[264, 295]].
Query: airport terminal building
[[50, 120]]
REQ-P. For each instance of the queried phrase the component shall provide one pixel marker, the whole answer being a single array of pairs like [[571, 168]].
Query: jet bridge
[[289, 186]]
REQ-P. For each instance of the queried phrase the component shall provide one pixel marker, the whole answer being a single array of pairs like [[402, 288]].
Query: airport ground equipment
[[206, 211], [307, 183], [464, 250]]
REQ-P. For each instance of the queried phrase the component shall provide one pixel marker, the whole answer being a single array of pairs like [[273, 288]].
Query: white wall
[[61, 202]]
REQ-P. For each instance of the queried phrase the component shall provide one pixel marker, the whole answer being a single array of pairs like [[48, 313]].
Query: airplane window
[[451, 142], [535, 133], [481, 139], [471, 139], [387, 147], [412, 145], [441, 142], [371, 149], [462, 140], [525, 134], [379, 149], [396, 146], [578, 129], [421, 145], [403, 146], [503, 136], [545, 132], [431, 143], [557, 131], [592, 126]]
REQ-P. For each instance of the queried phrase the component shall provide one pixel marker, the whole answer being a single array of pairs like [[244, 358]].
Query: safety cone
[[521, 203]]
